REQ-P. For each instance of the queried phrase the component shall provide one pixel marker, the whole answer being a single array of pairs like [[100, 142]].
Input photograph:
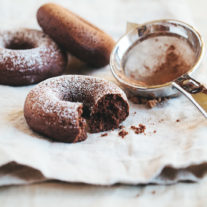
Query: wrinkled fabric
[[177, 151]]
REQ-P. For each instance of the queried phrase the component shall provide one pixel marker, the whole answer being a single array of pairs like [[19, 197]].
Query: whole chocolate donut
[[79, 37], [28, 56], [60, 107]]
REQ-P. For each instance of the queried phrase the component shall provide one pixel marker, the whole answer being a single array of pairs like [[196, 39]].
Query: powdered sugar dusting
[[26, 59], [65, 94]]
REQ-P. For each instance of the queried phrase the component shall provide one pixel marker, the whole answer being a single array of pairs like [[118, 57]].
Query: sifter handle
[[194, 91]]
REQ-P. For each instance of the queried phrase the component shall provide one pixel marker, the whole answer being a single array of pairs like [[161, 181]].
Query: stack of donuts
[[65, 107]]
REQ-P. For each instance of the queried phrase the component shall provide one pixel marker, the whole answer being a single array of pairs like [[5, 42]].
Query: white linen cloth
[[177, 151]]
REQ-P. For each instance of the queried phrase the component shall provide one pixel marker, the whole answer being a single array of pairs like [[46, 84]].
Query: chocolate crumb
[[153, 192], [123, 133], [142, 126], [137, 195], [154, 131], [178, 120], [149, 102], [138, 130], [103, 135], [161, 120], [121, 127]]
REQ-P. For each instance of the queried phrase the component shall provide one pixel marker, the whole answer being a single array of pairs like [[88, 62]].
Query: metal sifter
[[139, 54]]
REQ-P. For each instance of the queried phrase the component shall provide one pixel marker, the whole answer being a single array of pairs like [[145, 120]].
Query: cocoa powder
[[173, 67]]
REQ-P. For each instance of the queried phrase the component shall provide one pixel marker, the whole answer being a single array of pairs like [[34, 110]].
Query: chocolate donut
[[28, 56], [60, 107], [79, 37]]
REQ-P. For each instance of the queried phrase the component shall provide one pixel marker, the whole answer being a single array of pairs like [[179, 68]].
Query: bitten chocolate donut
[[79, 37], [60, 107], [28, 56]]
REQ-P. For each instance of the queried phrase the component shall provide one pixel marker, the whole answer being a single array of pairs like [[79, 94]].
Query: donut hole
[[19, 45], [110, 111]]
